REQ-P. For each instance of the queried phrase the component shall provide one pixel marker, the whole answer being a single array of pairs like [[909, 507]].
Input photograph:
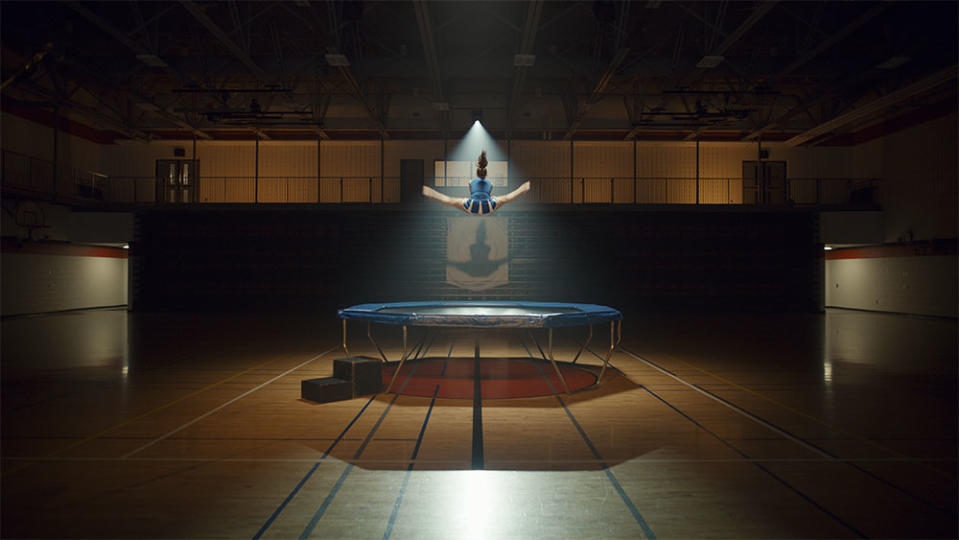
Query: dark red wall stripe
[[877, 252], [11, 247]]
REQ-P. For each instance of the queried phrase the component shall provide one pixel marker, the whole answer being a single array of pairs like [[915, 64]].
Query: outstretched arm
[[513, 194], [431, 193]]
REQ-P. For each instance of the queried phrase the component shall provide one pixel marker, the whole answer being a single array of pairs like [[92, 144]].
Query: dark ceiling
[[808, 72]]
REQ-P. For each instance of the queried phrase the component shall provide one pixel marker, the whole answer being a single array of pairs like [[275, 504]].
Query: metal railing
[[34, 177]]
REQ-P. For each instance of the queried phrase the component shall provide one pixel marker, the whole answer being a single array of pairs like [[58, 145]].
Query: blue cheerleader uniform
[[480, 201]]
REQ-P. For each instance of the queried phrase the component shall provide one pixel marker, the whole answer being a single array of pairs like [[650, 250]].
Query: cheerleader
[[481, 201]]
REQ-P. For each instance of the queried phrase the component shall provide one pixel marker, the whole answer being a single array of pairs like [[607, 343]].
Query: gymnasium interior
[[725, 308]]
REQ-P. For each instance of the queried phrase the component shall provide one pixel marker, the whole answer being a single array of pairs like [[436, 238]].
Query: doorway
[[765, 184], [177, 181]]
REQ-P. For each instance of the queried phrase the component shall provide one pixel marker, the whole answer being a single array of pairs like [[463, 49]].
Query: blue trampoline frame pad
[[482, 314]]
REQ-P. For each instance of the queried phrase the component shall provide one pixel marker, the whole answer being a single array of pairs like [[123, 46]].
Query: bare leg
[[512, 195], [431, 193]]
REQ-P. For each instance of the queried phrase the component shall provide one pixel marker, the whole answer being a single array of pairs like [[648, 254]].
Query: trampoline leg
[[612, 345], [586, 344], [369, 334], [532, 338], [400, 366], [345, 348], [558, 372]]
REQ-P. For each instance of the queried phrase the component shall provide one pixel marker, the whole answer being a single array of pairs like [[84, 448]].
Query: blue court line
[[359, 451], [867, 472], [326, 502], [609, 474], [409, 469], [309, 473], [805, 442], [742, 454]]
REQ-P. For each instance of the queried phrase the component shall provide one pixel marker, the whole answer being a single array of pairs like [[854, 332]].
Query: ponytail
[[481, 165]]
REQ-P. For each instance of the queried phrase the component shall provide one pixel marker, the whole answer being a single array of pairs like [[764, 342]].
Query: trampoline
[[483, 314]]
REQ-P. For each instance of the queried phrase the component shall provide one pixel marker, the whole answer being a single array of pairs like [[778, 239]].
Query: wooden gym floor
[[835, 425]]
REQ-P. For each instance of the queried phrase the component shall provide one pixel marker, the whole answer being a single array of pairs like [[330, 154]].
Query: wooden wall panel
[[539, 159], [395, 151], [288, 159], [651, 191], [350, 158], [724, 160], [666, 160], [218, 159], [603, 159]]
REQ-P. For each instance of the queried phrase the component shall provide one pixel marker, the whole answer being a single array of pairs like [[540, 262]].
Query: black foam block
[[365, 374], [326, 389]]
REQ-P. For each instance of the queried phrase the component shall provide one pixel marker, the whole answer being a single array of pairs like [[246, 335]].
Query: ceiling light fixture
[[151, 60], [893, 62], [336, 59], [710, 61], [524, 60]]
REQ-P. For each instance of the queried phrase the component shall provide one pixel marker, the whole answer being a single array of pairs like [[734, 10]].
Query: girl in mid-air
[[481, 201]]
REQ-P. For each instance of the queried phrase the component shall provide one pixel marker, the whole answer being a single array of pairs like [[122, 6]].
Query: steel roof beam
[[737, 34], [876, 105], [597, 92], [225, 40], [527, 39], [432, 61], [119, 35], [829, 42]]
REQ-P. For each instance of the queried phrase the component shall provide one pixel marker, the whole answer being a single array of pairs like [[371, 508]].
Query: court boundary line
[[141, 416], [230, 402]]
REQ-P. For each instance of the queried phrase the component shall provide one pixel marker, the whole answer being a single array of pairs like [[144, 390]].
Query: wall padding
[[925, 285], [38, 283]]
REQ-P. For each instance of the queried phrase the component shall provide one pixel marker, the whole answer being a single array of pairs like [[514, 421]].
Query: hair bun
[[481, 162]]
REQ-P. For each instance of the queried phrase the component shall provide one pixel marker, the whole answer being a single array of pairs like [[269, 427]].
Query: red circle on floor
[[500, 378]]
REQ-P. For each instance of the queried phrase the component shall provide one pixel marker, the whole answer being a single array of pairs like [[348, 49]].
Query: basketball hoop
[[28, 215]]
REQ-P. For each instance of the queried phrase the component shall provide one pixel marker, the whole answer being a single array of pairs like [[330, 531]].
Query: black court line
[[776, 477], [802, 441], [359, 452], [609, 474], [309, 473], [479, 461]]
